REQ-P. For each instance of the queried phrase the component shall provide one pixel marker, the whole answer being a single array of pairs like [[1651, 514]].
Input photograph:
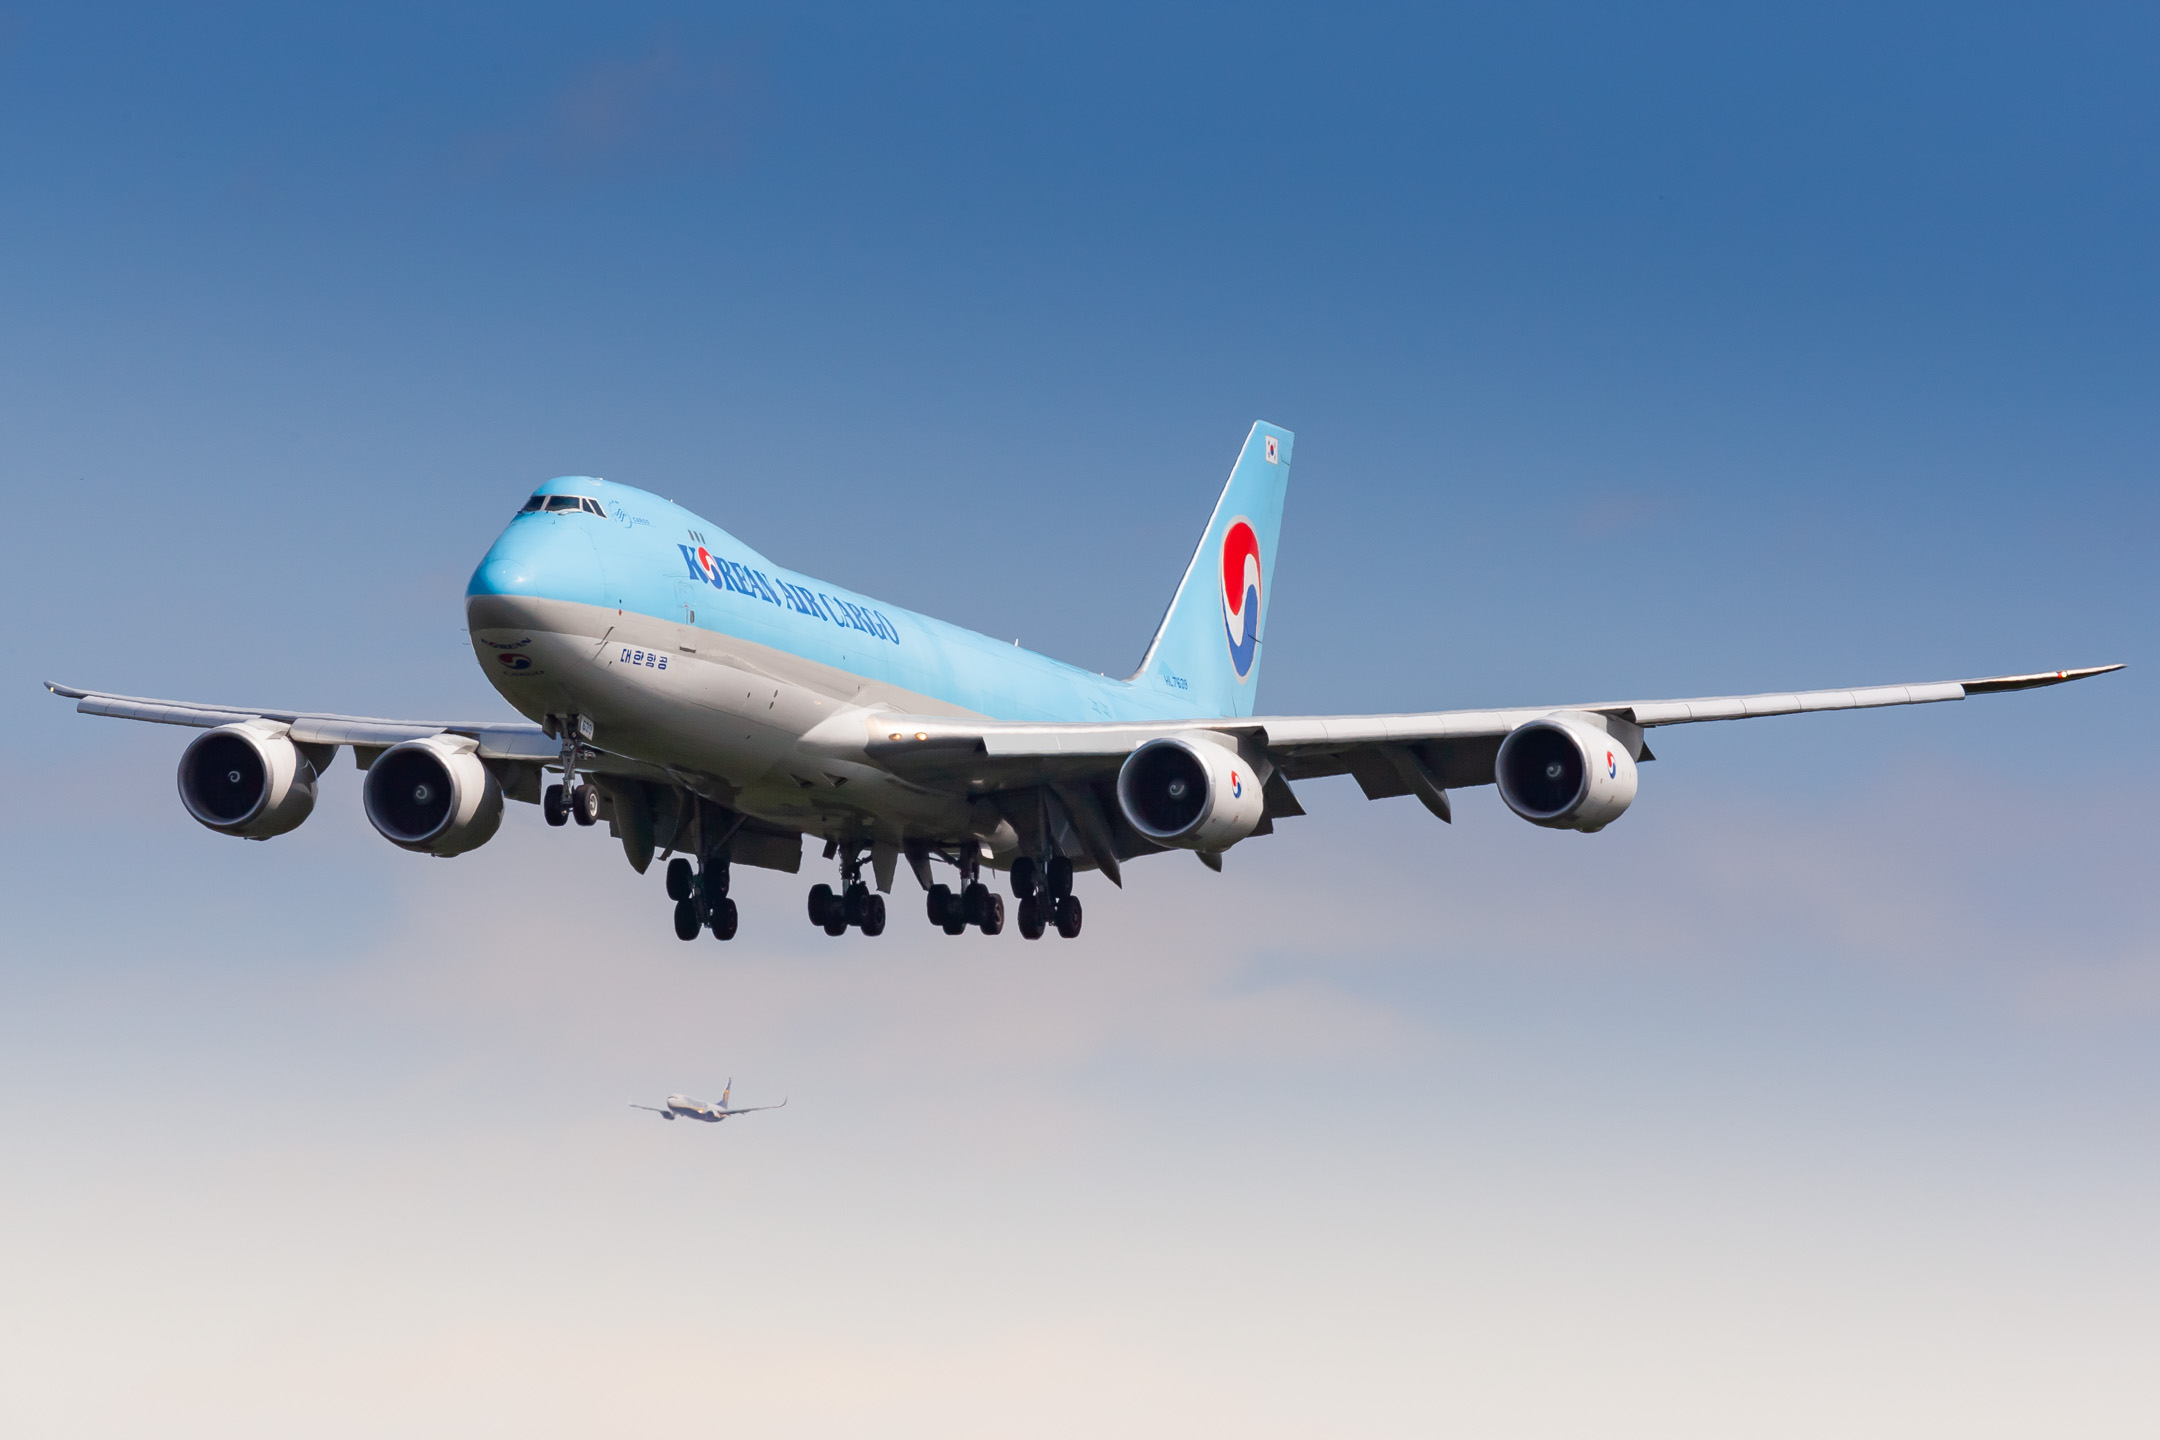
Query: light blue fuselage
[[644, 559]]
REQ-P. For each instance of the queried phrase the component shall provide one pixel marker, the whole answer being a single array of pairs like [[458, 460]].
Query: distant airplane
[[698, 1110], [717, 707]]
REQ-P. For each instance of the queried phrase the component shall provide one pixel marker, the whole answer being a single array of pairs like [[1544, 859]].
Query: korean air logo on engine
[[1241, 595]]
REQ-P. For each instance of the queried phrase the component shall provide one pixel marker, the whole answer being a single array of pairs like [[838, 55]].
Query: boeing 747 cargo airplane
[[715, 708]]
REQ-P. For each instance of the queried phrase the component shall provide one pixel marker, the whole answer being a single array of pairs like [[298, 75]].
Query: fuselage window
[[566, 502]]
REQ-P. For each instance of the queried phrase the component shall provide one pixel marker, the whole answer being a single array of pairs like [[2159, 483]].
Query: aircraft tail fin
[[1207, 649], [729, 1090]]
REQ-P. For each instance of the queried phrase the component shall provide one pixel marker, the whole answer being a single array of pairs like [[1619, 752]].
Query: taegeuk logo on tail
[[1241, 594]]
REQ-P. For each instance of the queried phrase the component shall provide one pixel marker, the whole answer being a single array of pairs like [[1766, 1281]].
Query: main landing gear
[[701, 898], [855, 904], [974, 903], [1046, 897]]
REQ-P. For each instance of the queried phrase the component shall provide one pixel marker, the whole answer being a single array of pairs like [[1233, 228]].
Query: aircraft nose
[[548, 557]]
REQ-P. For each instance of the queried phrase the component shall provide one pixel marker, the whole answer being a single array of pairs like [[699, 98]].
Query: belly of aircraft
[[702, 702]]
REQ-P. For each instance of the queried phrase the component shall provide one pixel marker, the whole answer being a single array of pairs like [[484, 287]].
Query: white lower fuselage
[[709, 706]]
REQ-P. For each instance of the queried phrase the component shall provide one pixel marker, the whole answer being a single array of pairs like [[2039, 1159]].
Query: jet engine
[[246, 780], [1565, 774], [432, 795], [1192, 793]]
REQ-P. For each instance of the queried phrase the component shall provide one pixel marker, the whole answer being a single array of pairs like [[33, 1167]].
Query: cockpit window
[[584, 504]]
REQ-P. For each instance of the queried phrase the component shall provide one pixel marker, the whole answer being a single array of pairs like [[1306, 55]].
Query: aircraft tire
[[975, 904], [857, 903], [955, 921], [821, 903], [553, 807], [686, 920], [1031, 919], [585, 804], [1068, 917], [873, 915], [938, 903], [680, 880], [836, 921], [1060, 877], [724, 919], [1023, 877], [993, 913]]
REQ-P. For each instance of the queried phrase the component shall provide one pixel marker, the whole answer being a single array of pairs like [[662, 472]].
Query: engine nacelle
[[1565, 774], [1192, 793], [432, 795], [245, 780]]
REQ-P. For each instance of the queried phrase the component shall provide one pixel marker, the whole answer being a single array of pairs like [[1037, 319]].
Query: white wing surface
[[1425, 754], [498, 740]]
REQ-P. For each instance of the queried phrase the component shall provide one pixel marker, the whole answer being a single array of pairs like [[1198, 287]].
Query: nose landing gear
[[573, 799]]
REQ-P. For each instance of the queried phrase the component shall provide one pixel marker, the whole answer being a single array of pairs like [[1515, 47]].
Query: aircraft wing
[[497, 740], [1417, 754], [753, 1109]]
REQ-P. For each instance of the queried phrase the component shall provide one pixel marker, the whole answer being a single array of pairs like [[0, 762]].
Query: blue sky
[[1666, 353]]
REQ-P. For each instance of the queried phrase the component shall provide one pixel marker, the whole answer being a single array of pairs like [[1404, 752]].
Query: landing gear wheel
[[873, 915], [857, 903], [1031, 919], [723, 919], [939, 903], [1060, 877], [821, 904], [713, 880], [686, 919], [836, 921], [975, 904], [1023, 877], [993, 914], [681, 879], [1067, 917], [585, 804], [955, 921], [554, 807]]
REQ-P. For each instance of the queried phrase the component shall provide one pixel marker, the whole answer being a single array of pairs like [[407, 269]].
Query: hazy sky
[[1661, 352]]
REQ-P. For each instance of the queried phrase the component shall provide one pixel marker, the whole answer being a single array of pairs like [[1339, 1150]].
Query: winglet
[[65, 692], [1996, 684]]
